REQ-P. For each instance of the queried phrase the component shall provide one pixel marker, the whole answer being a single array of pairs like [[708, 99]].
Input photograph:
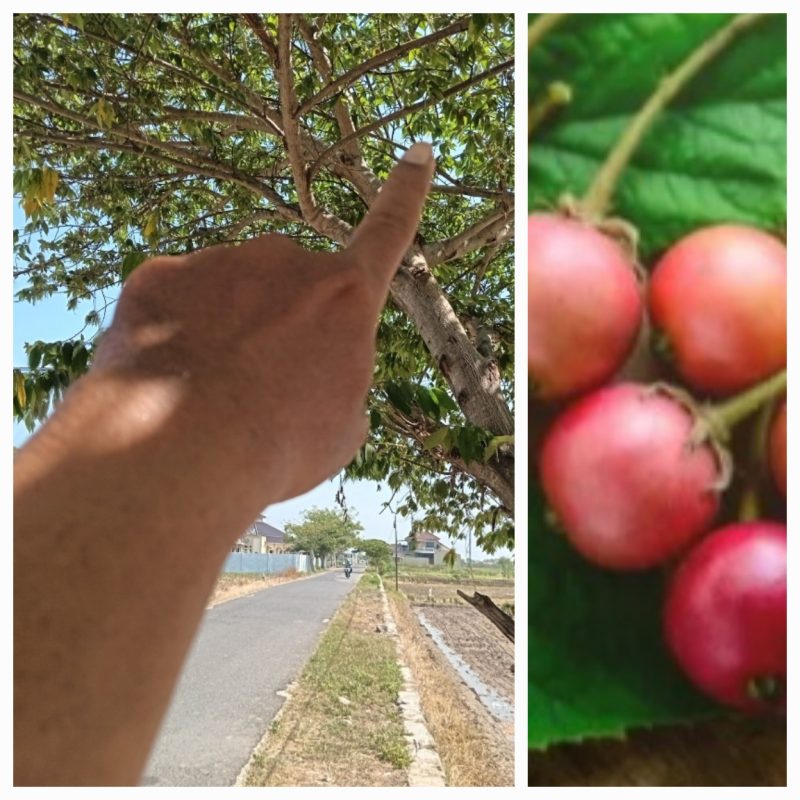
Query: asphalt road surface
[[246, 651]]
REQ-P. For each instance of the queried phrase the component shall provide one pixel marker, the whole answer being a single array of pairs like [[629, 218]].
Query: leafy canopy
[[324, 532], [138, 134]]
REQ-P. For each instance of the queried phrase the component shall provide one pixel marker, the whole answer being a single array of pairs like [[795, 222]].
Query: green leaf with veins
[[597, 664], [716, 154]]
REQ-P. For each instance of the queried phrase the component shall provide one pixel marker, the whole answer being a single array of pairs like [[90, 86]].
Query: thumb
[[384, 235]]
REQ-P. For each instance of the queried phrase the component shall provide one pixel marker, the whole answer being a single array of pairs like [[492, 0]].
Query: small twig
[[541, 26], [382, 58], [411, 109], [291, 131], [491, 251]]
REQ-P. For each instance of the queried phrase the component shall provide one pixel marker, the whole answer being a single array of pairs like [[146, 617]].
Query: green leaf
[[470, 442], [428, 401], [80, 358], [130, 262], [35, 353], [446, 403], [66, 353], [716, 154], [494, 444], [400, 395], [440, 437], [597, 665]]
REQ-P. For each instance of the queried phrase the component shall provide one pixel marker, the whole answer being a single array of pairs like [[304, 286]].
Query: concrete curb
[[426, 766]]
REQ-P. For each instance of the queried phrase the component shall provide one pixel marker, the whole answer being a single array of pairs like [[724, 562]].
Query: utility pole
[[396, 556]]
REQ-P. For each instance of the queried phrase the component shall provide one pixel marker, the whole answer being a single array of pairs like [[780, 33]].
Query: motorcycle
[[347, 570]]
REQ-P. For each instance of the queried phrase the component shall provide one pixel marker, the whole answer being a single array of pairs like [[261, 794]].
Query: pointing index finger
[[386, 232]]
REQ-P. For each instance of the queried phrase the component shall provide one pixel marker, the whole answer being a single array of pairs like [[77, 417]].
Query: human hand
[[264, 352]]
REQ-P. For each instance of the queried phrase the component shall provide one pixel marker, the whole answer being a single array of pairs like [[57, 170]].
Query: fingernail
[[419, 153]]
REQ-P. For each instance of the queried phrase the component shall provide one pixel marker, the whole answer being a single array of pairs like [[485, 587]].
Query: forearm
[[123, 515]]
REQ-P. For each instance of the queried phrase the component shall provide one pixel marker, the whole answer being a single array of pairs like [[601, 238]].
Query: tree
[[142, 133], [323, 532], [378, 553]]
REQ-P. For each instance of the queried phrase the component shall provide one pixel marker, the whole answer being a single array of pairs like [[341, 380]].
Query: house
[[261, 537], [422, 547]]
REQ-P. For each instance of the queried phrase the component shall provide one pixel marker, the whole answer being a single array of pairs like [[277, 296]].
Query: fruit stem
[[725, 416], [541, 26], [766, 688], [750, 503], [598, 197]]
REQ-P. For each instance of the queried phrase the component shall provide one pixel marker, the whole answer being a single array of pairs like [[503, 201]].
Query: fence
[[268, 563]]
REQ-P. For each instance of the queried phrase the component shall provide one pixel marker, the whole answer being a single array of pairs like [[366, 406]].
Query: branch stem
[[598, 198], [728, 414], [542, 26]]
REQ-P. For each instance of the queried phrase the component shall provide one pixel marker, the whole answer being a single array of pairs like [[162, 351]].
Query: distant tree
[[378, 553], [506, 566], [137, 134], [324, 533]]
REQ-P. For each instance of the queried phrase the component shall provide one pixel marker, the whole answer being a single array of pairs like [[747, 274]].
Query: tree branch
[[483, 603], [325, 69], [288, 99], [412, 109], [257, 26], [496, 228], [382, 58], [287, 212]]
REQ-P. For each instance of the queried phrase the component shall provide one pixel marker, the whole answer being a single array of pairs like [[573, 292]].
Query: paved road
[[246, 650]]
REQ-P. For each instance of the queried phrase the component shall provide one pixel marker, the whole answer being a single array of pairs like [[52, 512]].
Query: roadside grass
[[459, 574], [341, 725], [467, 753], [230, 585]]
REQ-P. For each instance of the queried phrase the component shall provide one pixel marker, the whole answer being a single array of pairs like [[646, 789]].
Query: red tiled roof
[[423, 536]]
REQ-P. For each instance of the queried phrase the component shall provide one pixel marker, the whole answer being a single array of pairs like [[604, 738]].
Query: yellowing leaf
[[150, 229], [47, 188], [30, 205], [494, 444], [19, 389], [104, 113], [438, 437]]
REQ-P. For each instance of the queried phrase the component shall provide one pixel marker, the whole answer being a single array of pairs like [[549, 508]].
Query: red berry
[[777, 448], [725, 615], [622, 476], [718, 298], [584, 306]]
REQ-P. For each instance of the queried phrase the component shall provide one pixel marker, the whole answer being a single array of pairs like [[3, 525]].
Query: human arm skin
[[230, 379]]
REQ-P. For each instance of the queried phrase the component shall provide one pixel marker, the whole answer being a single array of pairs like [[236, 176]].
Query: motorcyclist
[[348, 567]]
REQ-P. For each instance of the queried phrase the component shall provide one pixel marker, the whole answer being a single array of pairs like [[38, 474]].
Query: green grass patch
[[342, 718], [458, 574]]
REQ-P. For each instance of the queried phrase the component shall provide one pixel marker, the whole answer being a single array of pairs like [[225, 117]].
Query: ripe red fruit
[[725, 615], [777, 448], [719, 299], [622, 476], [584, 306]]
